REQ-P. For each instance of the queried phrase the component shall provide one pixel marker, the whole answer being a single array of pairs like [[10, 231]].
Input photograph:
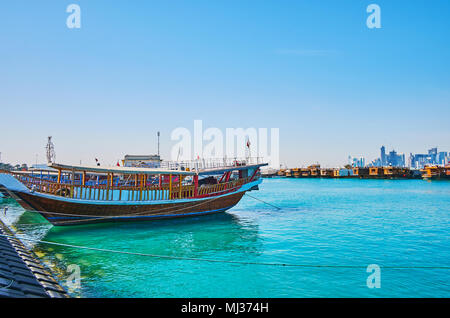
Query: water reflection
[[212, 236], [205, 233]]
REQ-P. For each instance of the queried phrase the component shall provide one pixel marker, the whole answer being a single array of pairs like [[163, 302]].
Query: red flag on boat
[[118, 164]]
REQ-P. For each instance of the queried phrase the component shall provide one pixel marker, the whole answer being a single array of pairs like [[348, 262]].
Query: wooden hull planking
[[61, 213]]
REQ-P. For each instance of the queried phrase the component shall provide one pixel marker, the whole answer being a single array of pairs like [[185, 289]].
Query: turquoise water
[[321, 221]]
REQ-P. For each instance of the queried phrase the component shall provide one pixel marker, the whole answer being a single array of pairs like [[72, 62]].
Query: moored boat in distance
[[326, 173], [314, 170], [91, 194], [436, 172]]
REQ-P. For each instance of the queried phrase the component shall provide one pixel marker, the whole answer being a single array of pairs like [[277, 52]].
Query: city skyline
[[396, 159], [314, 70]]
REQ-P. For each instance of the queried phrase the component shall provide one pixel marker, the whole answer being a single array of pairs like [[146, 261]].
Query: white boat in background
[[268, 172]]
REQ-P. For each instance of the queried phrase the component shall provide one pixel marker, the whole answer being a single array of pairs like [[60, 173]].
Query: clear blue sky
[[311, 68]]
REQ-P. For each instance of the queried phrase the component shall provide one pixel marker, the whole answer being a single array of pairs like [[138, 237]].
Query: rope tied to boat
[[270, 204]]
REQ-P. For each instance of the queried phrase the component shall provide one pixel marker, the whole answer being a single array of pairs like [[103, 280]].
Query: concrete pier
[[21, 273]]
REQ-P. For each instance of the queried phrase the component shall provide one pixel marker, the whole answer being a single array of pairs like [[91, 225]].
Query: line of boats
[[315, 171], [71, 194]]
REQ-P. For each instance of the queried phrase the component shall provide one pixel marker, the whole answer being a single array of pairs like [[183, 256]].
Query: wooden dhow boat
[[88, 194]]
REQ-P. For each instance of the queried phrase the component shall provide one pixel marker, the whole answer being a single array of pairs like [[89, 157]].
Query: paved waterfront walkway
[[21, 274]]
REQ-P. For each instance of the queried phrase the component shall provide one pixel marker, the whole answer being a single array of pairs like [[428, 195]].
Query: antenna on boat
[[158, 134], [50, 150]]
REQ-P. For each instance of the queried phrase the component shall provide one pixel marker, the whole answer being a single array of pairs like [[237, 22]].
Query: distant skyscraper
[[383, 156], [394, 159], [441, 157], [433, 154], [362, 162]]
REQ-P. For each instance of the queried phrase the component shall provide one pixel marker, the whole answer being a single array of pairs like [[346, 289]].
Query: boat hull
[[65, 212]]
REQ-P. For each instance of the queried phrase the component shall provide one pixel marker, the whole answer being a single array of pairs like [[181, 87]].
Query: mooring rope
[[219, 260], [278, 208]]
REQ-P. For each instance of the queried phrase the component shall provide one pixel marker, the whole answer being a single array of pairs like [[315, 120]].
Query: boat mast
[[158, 142]]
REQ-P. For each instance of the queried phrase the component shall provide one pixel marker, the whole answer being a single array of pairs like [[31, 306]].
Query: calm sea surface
[[321, 222]]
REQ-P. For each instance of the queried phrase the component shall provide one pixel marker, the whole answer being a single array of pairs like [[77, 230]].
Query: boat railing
[[201, 164], [129, 193]]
